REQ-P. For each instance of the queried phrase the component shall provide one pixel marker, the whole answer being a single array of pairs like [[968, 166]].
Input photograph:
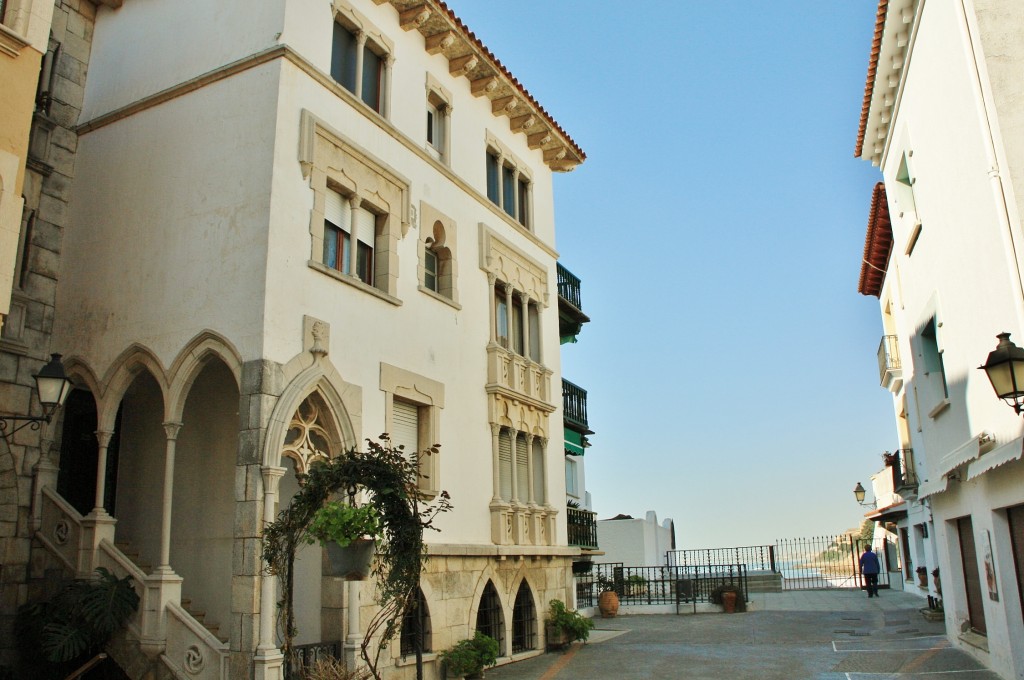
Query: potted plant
[[469, 658], [565, 625], [348, 533], [922, 576], [935, 578], [608, 600], [730, 596]]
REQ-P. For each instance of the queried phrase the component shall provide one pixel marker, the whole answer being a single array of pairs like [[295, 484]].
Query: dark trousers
[[872, 582]]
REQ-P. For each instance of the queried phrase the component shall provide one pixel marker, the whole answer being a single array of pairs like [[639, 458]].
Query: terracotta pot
[[351, 562], [608, 603], [729, 602], [922, 580]]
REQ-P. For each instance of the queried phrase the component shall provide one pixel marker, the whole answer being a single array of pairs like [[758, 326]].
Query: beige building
[[287, 231]]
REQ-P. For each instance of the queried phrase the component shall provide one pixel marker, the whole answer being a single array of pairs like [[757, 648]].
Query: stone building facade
[[293, 230]]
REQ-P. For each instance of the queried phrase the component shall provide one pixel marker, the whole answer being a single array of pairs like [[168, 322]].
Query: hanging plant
[[396, 513]]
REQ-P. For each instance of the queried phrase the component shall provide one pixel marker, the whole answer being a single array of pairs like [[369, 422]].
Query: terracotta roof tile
[[877, 245], [869, 85]]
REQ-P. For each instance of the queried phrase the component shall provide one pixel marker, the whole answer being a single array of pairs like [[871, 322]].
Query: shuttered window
[[364, 226], [538, 472], [1015, 515], [505, 465], [972, 575], [405, 423], [337, 230], [534, 322], [522, 469]]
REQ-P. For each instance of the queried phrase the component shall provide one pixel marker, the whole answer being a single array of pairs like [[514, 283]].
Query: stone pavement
[[796, 635]]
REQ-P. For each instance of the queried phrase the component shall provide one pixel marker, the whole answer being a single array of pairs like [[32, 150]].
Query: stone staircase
[[764, 582]]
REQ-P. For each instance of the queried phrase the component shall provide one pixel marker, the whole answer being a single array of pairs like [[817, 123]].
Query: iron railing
[[569, 287], [888, 358], [904, 471], [582, 526], [658, 585], [753, 557], [304, 656], [823, 562], [574, 404]]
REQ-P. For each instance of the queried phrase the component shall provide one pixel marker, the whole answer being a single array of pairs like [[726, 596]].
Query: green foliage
[[342, 523], [78, 620], [867, 530], [391, 478], [571, 622], [469, 657]]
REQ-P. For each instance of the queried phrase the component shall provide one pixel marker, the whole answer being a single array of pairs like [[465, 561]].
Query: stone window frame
[[439, 233], [368, 35], [522, 216], [439, 100], [428, 396], [366, 180]]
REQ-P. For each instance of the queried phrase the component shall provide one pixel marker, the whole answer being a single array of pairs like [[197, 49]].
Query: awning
[[999, 456], [890, 513], [930, 488], [573, 442], [962, 455]]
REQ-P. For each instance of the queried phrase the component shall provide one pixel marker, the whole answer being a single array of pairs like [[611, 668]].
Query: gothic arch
[[123, 371], [204, 347]]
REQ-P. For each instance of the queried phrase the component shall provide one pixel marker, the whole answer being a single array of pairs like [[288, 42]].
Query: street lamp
[[1005, 370], [52, 388], [858, 493]]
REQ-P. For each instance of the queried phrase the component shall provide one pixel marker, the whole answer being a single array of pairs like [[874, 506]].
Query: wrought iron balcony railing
[[569, 287], [574, 405], [582, 526], [890, 370]]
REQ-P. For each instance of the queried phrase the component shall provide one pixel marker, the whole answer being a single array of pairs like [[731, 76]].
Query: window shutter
[[365, 226], [538, 472], [505, 465], [337, 210], [522, 469], [405, 425]]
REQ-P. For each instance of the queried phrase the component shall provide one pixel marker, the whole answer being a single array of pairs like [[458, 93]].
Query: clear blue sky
[[718, 226]]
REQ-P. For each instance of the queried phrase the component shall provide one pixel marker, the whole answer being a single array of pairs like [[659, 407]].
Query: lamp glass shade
[[858, 492], [1005, 369], [52, 384]]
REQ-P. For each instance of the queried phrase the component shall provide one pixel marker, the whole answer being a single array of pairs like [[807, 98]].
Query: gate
[[827, 562]]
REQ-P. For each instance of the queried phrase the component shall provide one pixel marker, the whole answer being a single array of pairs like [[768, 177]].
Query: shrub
[[469, 657], [572, 623]]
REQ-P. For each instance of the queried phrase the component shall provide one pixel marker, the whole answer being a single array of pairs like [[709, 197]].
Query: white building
[[293, 228], [636, 542], [943, 120]]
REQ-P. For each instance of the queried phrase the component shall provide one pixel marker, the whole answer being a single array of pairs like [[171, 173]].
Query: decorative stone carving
[[308, 439], [61, 531], [316, 336], [194, 661]]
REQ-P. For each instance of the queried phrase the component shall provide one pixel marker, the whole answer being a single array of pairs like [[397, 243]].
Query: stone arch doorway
[[314, 434], [79, 453], [203, 501]]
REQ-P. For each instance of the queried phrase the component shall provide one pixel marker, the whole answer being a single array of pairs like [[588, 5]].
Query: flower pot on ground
[[608, 604], [730, 596], [565, 625], [348, 532], [922, 577], [469, 658]]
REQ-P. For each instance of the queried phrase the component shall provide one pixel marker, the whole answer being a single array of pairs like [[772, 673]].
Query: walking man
[[869, 567]]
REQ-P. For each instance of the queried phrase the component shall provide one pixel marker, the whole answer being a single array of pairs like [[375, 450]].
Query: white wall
[[635, 542]]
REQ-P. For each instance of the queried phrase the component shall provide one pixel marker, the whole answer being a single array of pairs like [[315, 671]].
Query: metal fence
[[304, 656], [658, 585], [755, 557], [827, 562]]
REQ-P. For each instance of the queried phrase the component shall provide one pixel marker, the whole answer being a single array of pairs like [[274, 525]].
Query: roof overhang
[[894, 23], [445, 34], [877, 245], [891, 513]]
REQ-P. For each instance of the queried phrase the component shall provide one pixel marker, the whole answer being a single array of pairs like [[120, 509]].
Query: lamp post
[[52, 388], [858, 493], [1005, 370]]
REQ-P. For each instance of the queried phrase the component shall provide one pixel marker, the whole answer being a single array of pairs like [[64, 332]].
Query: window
[[505, 464], [430, 269], [412, 419], [340, 221], [533, 320], [416, 616], [508, 185], [517, 323], [489, 618], [501, 316], [358, 63], [524, 621], [571, 487], [523, 488], [438, 119], [540, 496], [493, 192], [438, 266], [934, 369]]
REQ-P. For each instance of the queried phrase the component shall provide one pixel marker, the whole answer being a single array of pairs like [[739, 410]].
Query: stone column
[[491, 280], [269, 661], [385, 87], [525, 300], [171, 429], [360, 50], [103, 438], [354, 637], [496, 459], [501, 181], [353, 258], [508, 320]]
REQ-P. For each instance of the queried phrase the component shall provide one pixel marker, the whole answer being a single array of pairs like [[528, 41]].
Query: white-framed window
[[439, 113], [438, 272], [934, 368], [571, 483], [517, 322], [508, 185]]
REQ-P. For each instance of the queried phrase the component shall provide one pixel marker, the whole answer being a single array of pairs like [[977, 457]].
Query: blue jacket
[[869, 563]]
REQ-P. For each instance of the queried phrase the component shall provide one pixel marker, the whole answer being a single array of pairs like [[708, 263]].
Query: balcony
[[904, 471], [574, 407], [570, 307], [582, 526], [890, 370]]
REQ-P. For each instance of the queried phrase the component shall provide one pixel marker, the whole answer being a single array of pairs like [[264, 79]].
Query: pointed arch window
[[489, 618], [524, 620], [416, 617]]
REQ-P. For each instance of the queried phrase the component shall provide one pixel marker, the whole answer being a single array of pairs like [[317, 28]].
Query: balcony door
[[972, 575]]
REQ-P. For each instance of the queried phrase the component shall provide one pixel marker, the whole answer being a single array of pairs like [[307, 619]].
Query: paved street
[[813, 635]]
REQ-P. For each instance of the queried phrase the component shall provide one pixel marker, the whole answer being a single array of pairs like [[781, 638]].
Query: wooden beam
[[504, 105], [459, 66], [439, 42], [482, 86], [414, 17]]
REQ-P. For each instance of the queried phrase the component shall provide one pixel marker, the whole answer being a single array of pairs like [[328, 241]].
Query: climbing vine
[[390, 477]]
